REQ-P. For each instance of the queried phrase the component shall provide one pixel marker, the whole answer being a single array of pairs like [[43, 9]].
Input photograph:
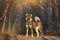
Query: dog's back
[[37, 23]]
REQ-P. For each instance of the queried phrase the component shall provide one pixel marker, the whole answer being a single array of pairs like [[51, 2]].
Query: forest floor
[[23, 37], [20, 37]]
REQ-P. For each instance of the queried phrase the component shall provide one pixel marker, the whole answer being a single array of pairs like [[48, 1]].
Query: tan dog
[[29, 23], [33, 24], [37, 25]]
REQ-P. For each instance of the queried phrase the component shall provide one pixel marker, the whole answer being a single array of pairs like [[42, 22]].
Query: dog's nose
[[28, 19]]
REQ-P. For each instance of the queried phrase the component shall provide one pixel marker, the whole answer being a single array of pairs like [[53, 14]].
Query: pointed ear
[[26, 14], [31, 14]]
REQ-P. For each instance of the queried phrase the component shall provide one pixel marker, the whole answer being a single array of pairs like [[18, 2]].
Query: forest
[[12, 15]]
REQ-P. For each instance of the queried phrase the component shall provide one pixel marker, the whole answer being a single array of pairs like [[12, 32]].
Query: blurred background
[[12, 15]]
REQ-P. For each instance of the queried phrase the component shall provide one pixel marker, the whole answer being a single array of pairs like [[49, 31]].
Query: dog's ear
[[31, 14], [26, 14]]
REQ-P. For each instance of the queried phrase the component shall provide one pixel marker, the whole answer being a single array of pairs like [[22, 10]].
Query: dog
[[33, 24], [29, 23], [37, 25]]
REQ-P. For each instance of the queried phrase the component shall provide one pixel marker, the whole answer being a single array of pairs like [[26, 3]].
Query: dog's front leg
[[26, 30], [31, 31]]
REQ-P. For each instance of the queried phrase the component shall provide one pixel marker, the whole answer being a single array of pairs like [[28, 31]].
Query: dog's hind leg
[[37, 31], [41, 32]]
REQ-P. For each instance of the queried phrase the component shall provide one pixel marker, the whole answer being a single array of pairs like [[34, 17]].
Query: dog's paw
[[26, 35]]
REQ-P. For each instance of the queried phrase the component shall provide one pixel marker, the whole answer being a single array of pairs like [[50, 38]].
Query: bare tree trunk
[[13, 28], [56, 12], [9, 26], [5, 12]]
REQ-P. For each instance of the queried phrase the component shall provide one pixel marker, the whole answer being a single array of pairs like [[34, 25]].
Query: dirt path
[[23, 37]]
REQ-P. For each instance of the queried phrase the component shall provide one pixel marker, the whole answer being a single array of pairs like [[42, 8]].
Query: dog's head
[[28, 17]]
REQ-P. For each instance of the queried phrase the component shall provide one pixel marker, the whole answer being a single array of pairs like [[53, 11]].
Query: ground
[[23, 37], [20, 37]]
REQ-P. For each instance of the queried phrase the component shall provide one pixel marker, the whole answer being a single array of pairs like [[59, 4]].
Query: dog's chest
[[29, 23]]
